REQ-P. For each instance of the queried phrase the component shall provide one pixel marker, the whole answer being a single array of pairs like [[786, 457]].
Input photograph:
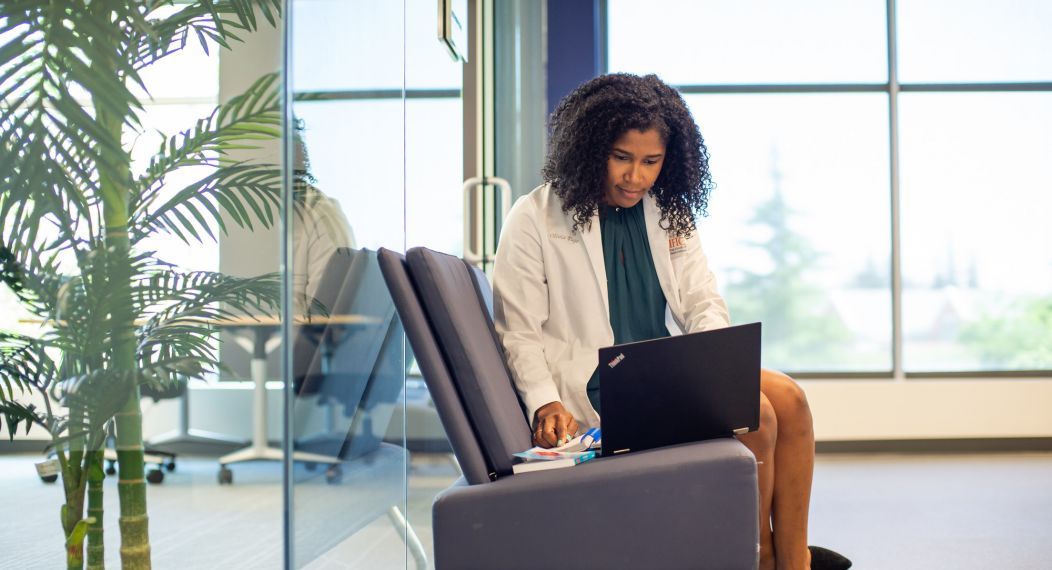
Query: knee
[[767, 434], [762, 441], [787, 398]]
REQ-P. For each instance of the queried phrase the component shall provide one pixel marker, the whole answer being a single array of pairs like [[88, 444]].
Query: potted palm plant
[[75, 218]]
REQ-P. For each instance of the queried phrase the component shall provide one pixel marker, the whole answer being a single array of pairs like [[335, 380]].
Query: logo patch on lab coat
[[676, 244]]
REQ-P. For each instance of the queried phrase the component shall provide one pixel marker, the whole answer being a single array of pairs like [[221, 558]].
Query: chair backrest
[[342, 357], [337, 286], [454, 302], [433, 366]]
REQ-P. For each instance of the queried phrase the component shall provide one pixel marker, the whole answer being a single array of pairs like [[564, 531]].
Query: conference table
[[263, 329]]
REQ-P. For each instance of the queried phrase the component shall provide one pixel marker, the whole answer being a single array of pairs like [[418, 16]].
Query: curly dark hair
[[587, 123]]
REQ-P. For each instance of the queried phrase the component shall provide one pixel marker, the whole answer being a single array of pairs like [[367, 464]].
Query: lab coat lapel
[[659, 250], [593, 244]]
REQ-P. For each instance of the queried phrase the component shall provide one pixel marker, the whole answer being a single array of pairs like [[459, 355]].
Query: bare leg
[[794, 462], [762, 444]]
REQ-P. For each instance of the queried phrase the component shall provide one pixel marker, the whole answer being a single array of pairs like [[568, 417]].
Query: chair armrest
[[692, 505]]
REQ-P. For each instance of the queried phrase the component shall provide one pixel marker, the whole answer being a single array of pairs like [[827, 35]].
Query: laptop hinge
[[741, 431]]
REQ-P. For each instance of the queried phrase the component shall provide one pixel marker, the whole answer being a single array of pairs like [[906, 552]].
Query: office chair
[[335, 361], [684, 506]]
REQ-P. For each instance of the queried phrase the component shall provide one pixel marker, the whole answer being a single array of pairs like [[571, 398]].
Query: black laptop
[[680, 389]]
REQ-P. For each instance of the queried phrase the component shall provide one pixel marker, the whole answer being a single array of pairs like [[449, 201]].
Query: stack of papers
[[547, 459], [577, 450]]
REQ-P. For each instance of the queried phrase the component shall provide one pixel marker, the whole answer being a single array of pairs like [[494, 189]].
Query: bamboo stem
[[73, 483], [96, 546], [131, 484]]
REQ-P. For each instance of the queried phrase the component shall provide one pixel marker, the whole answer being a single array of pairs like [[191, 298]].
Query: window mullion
[[896, 225]]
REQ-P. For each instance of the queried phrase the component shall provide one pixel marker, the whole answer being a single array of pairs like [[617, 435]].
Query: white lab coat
[[550, 303]]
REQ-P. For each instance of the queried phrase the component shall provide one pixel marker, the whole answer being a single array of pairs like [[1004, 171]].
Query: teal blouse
[[637, 303]]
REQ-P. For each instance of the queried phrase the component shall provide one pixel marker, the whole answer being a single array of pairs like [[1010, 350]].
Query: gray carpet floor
[[884, 511]]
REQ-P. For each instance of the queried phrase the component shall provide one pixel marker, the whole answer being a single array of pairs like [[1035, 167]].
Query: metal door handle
[[474, 238]]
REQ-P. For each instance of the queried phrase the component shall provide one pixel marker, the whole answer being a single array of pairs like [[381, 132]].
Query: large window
[[881, 191]]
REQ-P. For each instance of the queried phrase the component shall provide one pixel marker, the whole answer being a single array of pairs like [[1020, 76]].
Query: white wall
[[930, 408]]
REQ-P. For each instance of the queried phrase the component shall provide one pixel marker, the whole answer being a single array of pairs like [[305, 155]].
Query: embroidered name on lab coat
[[676, 245], [563, 237]]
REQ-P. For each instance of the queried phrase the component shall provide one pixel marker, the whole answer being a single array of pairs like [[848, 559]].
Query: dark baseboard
[[23, 446], [966, 445]]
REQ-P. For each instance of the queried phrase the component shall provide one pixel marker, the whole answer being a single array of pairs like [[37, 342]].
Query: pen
[[589, 436]]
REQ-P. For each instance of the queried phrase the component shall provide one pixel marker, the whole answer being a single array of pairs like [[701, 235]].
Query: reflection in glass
[[720, 42], [798, 232], [977, 267]]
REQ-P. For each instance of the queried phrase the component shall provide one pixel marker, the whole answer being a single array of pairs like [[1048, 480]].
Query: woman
[[605, 252]]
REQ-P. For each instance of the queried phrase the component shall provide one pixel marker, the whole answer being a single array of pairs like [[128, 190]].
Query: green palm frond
[[182, 339], [32, 273], [189, 305], [251, 116], [24, 365], [206, 21], [15, 413], [99, 394], [244, 191], [221, 297], [164, 288], [245, 10], [48, 61], [238, 124], [50, 180]]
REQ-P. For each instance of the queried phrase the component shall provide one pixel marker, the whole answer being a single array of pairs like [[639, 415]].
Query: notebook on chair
[[680, 389]]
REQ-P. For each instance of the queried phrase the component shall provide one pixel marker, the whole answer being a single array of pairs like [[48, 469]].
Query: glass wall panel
[[977, 267], [348, 356], [798, 232], [717, 42], [165, 235], [964, 41]]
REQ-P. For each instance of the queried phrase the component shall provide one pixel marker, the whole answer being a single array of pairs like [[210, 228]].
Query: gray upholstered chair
[[687, 506]]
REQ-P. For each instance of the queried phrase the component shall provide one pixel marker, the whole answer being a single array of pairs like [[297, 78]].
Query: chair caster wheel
[[49, 478], [334, 475], [155, 476], [226, 476], [170, 466]]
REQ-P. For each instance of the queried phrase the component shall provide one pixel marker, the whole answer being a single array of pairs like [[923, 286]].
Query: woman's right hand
[[553, 425]]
